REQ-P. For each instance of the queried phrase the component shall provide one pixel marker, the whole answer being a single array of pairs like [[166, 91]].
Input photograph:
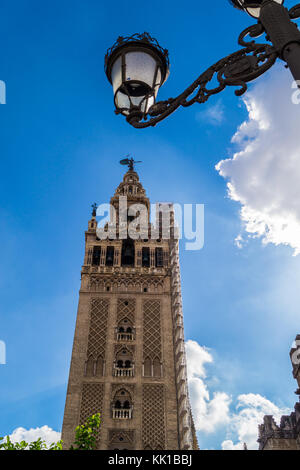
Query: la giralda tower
[[128, 360]]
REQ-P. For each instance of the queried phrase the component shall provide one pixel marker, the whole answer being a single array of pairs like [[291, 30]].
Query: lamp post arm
[[236, 69], [242, 66]]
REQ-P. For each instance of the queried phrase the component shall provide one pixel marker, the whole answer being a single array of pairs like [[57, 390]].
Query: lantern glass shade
[[136, 71], [140, 67], [252, 7], [136, 78]]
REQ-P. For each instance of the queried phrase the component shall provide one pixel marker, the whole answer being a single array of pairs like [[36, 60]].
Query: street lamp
[[137, 66]]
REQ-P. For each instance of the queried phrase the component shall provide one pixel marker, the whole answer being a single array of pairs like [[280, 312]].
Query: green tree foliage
[[36, 445], [85, 439], [86, 434]]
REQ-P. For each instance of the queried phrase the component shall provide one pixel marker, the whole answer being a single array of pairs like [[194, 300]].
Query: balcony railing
[[123, 371], [125, 336], [118, 413]]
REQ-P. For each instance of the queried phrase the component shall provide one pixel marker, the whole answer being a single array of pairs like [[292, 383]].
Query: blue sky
[[60, 147]]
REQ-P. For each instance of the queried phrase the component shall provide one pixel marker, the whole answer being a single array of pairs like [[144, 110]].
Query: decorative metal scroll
[[237, 70]]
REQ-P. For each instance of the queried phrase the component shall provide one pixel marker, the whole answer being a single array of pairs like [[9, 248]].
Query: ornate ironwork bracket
[[236, 70]]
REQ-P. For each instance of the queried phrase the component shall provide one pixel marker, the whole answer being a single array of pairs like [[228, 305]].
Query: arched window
[[128, 252], [99, 367], [90, 367], [146, 257], [122, 405], [110, 252], [123, 365], [147, 367], [96, 255], [125, 330], [156, 368], [125, 357]]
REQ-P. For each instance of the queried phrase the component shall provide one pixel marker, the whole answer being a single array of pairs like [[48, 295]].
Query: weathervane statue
[[94, 207], [130, 162]]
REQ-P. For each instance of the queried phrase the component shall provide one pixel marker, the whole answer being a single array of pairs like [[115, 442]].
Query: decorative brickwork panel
[[121, 347], [115, 433], [125, 284], [153, 421], [120, 439], [116, 387], [91, 401], [152, 330], [98, 328], [126, 309]]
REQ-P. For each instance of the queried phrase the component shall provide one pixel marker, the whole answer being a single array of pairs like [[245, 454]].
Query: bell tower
[[128, 359]]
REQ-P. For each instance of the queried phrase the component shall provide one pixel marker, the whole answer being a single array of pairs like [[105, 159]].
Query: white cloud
[[238, 419], [249, 413], [209, 413], [30, 435], [239, 241], [264, 173], [212, 115], [197, 356]]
